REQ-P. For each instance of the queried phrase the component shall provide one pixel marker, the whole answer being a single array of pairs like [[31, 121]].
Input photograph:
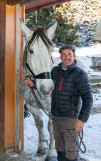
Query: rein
[[59, 124]]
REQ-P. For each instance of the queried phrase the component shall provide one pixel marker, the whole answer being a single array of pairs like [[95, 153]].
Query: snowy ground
[[92, 129], [92, 136]]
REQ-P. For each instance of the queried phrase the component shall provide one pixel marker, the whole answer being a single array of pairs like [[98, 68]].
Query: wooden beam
[[31, 1], [2, 72], [42, 4], [14, 2], [19, 102], [18, 130], [45, 2]]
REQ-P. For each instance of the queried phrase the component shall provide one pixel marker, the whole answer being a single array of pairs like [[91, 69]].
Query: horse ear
[[27, 32], [51, 30], [98, 32]]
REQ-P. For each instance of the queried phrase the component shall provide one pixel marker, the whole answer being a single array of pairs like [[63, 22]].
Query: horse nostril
[[46, 90], [43, 90]]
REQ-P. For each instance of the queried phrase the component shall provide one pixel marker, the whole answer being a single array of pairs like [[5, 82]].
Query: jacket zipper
[[61, 83], [73, 108]]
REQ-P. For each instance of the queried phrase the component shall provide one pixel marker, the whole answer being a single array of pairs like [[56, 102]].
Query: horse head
[[38, 56]]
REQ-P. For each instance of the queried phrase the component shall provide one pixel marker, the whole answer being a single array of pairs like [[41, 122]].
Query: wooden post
[[11, 102], [18, 128], [2, 72]]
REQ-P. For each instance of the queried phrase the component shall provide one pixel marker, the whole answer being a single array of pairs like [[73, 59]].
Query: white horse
[[37, 59]]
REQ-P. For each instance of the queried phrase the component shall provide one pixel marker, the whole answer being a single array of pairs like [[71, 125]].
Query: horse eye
[[31, 51]]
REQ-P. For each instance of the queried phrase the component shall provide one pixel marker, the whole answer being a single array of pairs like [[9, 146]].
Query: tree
[[65, 32]]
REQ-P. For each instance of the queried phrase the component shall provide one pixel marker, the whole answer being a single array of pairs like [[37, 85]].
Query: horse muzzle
[[46, 87]]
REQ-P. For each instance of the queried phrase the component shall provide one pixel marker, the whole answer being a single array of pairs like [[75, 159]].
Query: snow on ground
[[92, 129], [31, 134], [92, 136]]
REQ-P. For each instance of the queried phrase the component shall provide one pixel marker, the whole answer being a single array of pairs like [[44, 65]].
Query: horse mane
[[39, 31]]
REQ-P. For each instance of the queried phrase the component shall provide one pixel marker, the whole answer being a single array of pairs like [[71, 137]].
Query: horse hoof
[[42, 151], [51, 159]]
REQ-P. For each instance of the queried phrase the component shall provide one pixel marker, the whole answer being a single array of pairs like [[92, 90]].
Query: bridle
[[44, 75], [39, 31]]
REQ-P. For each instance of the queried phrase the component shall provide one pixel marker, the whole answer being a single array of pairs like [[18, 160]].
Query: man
[[71, 86]]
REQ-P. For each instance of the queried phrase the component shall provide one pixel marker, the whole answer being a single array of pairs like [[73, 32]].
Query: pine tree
[[65, 32]]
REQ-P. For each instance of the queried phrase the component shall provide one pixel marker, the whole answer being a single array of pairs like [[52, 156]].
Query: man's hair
[[72, 47]]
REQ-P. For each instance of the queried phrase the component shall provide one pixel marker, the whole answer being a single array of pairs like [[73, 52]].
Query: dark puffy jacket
[[71, 86]]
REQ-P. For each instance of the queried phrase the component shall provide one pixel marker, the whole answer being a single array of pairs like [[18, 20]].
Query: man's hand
[[79, 125], [28, 82]]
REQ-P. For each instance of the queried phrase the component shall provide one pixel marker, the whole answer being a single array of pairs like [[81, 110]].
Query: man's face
[[67, 57]]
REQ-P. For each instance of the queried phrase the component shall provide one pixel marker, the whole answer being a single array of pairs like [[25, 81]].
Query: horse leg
[[52, 154], [43, 142]]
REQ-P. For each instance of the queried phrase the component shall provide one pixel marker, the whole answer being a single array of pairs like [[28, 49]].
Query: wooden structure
[[11, 102], [98, 31], [11, 49], [39, 4], [96, 62]]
